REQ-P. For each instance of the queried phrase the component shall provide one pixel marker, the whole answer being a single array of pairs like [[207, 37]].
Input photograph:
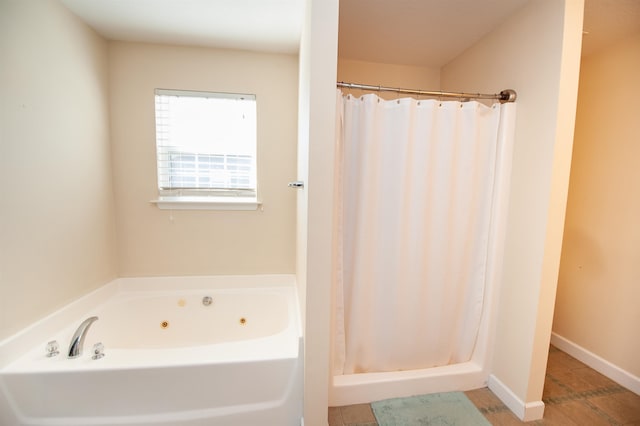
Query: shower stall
[[421, 195]]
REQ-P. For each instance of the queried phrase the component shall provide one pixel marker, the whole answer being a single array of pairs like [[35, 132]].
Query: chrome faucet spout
[[77, 341]]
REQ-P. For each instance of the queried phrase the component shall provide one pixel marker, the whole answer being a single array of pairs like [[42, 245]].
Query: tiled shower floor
[[574, 395]]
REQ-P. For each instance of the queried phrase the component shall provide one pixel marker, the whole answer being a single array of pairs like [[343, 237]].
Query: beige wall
[[542, 66], [598, 291], [188, 242], [390, 75], [57, 232]]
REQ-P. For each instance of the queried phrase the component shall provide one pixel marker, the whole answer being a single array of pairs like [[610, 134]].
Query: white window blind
[[206, 143]]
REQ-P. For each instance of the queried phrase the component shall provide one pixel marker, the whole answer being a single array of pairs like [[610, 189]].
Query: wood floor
[[574, 395]]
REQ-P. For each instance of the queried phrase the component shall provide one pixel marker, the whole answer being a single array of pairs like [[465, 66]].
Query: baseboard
[[526, 412], [601, 365]]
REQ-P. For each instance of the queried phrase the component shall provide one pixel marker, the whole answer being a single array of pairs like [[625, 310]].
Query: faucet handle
[[52, 348], [98, 351]]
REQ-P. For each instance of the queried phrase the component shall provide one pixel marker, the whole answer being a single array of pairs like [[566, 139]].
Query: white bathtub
[[169, 359]]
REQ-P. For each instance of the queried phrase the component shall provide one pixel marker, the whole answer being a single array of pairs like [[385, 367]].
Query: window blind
[[206, 143]]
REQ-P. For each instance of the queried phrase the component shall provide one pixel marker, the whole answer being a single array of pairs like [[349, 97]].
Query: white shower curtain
[[414, 193]]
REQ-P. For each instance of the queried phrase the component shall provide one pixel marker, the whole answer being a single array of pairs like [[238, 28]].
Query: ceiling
[[433, 32], [410, 32], [606, 21], [416, 32], [261, 25]]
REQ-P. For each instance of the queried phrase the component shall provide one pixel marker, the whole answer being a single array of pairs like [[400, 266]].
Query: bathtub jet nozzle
[[77, 341]]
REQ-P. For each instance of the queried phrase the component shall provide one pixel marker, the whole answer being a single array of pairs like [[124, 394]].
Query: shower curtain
[[415, 187]]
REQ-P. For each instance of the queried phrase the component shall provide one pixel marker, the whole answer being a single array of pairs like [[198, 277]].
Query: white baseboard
[[526, 412], [599, 364]]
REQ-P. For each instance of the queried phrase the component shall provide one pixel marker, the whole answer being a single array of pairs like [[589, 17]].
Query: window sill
[[206, 203]]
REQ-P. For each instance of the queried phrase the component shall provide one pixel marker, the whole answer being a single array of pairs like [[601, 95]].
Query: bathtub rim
[[177, 417], [17, 345]]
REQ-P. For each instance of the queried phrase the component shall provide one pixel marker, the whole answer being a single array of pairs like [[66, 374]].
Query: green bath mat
[[438, 409]]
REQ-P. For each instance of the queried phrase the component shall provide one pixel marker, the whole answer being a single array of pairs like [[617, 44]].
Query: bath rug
[[436, 409]]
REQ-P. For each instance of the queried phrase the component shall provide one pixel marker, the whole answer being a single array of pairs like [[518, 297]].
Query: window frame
[[194, 198]]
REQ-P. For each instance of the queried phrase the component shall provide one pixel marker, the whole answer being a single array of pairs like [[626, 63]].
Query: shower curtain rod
[[507, 95]]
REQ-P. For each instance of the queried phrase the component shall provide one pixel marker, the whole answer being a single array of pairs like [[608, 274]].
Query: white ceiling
[[418, 32], [261, 25]]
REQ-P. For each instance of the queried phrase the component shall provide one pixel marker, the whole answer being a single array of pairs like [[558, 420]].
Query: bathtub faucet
[[75, 347]]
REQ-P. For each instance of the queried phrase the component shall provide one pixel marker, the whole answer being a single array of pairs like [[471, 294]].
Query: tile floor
[[574, 395]]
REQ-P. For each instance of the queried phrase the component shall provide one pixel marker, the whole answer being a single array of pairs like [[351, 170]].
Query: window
[[206, 149]]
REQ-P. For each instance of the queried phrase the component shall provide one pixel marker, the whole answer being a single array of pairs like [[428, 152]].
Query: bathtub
[[169, 358]]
